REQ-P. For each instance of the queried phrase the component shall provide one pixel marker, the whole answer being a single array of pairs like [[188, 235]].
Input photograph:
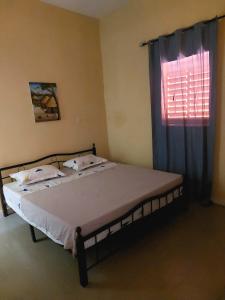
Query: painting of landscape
[[44, 100]]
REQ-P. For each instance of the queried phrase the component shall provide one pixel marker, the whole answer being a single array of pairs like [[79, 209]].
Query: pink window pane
[[186, 89]]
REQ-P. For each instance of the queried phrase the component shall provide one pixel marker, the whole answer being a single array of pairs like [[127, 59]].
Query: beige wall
[[42, 43], [126, 79], [39, 42]]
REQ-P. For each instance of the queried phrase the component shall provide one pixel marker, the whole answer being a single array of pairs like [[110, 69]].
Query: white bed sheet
[[14, 191], [101, 197]]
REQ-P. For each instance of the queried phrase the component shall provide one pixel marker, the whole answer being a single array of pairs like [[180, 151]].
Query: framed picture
[[44, 101]]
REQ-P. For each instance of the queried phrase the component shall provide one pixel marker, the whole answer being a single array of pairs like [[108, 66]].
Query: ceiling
[[93, 8]]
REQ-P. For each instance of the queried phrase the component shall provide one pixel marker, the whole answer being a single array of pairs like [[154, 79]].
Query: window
[[186, 90]]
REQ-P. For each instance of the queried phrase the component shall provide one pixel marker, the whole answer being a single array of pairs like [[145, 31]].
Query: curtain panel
[[183, 105]]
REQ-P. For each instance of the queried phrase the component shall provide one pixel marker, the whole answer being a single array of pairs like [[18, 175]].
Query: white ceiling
[[93, 8]]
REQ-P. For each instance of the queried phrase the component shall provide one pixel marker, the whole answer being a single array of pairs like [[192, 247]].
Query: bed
[[88, 209]]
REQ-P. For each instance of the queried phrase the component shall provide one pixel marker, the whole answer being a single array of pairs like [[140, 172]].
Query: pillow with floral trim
[[84, 162], [37, 174]]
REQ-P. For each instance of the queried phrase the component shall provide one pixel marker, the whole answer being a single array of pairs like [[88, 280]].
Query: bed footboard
[[129, 226]]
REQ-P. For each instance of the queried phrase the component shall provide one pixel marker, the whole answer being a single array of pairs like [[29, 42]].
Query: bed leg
[[94, 150], [4, 210], [32, 233], [2, 198], [81, 258], [185, 203]]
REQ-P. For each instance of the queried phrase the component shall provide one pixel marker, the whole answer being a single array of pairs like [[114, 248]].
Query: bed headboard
[[57, 159]]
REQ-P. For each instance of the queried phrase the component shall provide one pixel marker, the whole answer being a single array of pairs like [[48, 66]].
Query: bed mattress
[[87, 199]]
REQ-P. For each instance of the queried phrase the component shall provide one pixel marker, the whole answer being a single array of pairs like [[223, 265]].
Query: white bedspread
[[89, 201]]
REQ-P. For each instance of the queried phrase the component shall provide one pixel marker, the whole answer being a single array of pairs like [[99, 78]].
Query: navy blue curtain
[[183, 147]]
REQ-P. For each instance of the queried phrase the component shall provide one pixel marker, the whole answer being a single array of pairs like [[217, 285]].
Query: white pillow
[[84, 162], [37, 174]]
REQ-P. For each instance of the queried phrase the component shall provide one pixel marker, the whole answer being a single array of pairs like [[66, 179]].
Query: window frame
[[194, 67]]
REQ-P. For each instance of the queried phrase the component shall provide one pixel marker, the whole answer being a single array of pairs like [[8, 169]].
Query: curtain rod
[[145, 43]]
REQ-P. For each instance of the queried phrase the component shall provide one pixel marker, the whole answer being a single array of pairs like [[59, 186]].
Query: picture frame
[[44, 101]]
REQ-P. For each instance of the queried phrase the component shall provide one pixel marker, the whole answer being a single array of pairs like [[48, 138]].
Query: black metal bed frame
[[127, 224]]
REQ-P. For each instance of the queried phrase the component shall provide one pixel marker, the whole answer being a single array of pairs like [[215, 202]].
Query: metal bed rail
[[126, 223]]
